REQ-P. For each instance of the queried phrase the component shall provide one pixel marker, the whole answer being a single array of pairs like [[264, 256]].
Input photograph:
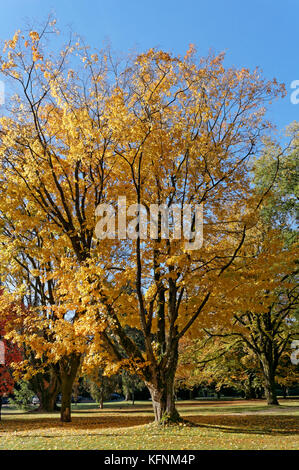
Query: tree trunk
[[47, 403], [0, 406], [164, 403], [269, 383], [249, 393], [68, 370], [47, 397], [133, 398], [259, 392], [66, 399], [248, 389], [46, 387], [161, 388], [101, 401]]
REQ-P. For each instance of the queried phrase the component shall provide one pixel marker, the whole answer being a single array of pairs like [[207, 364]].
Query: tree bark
[[101, 401], [248, 388], [0, 406], [161, 388], [163, 402], [46, 387], [269, 383], [66, 399], [47, 402], [68, 370]]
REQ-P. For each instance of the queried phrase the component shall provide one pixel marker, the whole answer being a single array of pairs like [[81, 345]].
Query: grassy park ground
[[217, 425]]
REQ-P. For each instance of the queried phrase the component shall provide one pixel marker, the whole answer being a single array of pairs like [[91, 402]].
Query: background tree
[[220, 363], [287, 373], [10, 354], [265, 304], [23, 395], [275, 175], [101, 387], [268, 331], [130, 384]]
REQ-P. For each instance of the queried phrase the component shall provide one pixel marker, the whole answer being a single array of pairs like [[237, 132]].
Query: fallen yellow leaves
[[133, 428]]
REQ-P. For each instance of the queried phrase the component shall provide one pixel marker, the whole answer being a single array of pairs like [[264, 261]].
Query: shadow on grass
[[78, 423], [113, 411], [278, 425], [264, 425]]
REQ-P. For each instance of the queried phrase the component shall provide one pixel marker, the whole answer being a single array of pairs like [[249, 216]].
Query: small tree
[[100, 386], [10, 354], [130, 384], [23, 395]]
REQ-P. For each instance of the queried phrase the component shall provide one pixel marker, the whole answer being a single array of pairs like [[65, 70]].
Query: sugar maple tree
[[181, 134], [264, 284], [159, 130], [54, 227]]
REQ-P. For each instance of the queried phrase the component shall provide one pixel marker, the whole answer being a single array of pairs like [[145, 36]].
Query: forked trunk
[[161, 388], [164, 402]]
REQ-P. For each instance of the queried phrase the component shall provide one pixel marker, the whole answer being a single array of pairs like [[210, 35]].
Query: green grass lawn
[[219, 425]]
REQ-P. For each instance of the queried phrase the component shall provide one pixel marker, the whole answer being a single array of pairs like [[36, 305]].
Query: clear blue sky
[[253, 33]]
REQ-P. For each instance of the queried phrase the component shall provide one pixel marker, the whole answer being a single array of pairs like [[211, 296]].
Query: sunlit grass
[[218, 425]]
